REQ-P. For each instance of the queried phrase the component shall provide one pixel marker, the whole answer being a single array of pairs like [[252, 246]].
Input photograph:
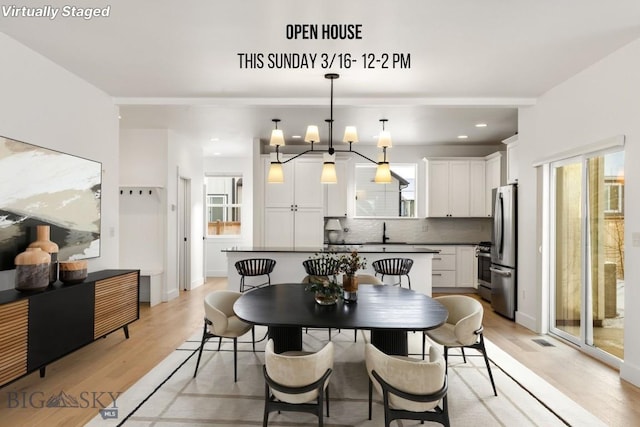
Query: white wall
[[155, 159], [43, 104], [216, 261], [143, 169], [596, 104]]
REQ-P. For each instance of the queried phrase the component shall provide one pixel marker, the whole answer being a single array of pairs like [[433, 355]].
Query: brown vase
[[43, 242], [350, 288], [32, 270], [73, 271]]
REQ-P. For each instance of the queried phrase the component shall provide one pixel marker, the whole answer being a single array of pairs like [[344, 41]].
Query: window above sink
[[395, 200]]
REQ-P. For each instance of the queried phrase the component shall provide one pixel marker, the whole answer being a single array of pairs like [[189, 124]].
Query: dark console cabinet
[[37, 329]]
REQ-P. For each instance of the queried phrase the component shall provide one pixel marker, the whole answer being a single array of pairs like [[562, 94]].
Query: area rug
[[170, 396]]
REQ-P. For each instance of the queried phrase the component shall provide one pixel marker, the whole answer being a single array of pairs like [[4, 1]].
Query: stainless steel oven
[[483, 253]]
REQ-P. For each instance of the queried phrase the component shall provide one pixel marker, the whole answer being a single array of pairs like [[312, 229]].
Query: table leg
[[286, 338], [390, 341]]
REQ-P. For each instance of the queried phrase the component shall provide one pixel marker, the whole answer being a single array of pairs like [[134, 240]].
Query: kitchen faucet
[[384, 232]]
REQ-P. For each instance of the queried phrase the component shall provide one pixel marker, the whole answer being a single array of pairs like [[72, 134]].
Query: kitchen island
[[289, 267]]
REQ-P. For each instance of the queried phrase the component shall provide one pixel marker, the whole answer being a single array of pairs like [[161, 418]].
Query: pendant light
[[277, 136], [276, 174]]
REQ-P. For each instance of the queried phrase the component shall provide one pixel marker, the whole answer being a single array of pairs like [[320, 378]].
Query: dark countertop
[[400, 249]]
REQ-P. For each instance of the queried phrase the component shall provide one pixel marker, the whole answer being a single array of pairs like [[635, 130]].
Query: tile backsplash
[[429, 230]]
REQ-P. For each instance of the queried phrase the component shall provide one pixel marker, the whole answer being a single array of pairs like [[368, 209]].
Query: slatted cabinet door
[[116, 303], [14, 319]]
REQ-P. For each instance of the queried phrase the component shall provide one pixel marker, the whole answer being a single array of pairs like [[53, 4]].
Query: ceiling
[[175, 65]]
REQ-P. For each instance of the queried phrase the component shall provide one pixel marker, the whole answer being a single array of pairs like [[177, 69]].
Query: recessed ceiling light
[[296, 136], [462, 137], [216, 153], [215, 139], [481, 125]]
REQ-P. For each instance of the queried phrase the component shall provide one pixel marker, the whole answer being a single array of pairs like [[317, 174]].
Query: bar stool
[[393, 267], [320, 267], [254, 267]]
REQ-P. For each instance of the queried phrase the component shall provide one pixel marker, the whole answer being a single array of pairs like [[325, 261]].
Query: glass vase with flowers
[[349, 264]]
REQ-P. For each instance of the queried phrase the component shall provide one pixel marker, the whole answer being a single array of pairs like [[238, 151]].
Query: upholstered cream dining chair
[[411, 388], [220, 321], [297, 381], [463, 328]]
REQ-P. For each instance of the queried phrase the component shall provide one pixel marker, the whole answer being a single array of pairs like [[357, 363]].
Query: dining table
[[389, 312]]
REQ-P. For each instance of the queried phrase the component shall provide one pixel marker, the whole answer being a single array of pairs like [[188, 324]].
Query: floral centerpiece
[[349, 266]]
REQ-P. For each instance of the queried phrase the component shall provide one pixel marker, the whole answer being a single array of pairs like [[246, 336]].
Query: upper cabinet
[[461, 188], [512, 159], [494, 178], [294, 209], [448, 188], [335, 200]]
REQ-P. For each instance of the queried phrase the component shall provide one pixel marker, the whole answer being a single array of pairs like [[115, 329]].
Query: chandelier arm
[[355, 152], [300, 154]]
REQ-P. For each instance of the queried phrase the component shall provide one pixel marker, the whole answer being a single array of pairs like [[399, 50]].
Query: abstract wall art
[[42, 186]]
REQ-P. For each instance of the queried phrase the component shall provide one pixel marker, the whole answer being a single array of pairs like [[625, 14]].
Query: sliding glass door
[[587, 262]]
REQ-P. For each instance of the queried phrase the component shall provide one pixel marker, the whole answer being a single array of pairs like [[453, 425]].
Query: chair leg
[[219, 343], [486, 361], [464, 357], [253, 338], [235, 360], [370, 396], [446, 359], [326, 397], [265, 418], [355, 335], [424, 339], [409, 280], [204, 338]]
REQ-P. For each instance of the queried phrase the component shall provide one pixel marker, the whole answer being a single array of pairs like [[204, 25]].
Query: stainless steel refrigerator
[[504, 251]]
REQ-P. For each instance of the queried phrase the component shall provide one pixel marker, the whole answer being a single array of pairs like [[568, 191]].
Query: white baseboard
[[630, 373], [527, 321], [217, 273], [198, 282], [172, 295]]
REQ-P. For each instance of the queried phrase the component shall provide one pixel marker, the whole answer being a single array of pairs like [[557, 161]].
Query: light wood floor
[[113, 364]]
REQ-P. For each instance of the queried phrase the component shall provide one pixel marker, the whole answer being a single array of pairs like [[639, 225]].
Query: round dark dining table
[[387, 311]]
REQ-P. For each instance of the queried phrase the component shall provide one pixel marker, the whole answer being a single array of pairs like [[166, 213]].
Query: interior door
[[184, 233]]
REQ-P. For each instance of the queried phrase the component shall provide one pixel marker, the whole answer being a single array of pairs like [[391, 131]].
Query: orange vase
[[43, 242], [350, 288], [32, 270]]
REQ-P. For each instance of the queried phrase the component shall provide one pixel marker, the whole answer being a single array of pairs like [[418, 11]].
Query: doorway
[[587, 257], [184, 234]]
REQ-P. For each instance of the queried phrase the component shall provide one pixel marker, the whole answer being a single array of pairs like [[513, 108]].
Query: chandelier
[[328, 176]]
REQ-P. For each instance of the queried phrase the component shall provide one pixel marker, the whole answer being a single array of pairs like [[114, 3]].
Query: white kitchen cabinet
[[454, 267], [294, 210], [466, 266], [335, 200], [438, 187], [512, 159], [493, 179], [443, 268], [477, 188], [448, 187]]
